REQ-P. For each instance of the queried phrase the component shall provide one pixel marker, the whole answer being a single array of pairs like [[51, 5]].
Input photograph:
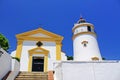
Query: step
[[32, 73], [31, 76], [31, 79], [35, 72]]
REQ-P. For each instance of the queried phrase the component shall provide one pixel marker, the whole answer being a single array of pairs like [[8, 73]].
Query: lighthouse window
[[89, 28], [76, 31], [95, 58], [81, 30], [84, 43]]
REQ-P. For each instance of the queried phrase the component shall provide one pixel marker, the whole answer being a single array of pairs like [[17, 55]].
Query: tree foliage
[[69, 57], [103, 58], [16, 59], [4, 42]]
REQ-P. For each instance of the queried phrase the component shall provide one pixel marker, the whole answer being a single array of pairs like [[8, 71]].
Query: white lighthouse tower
[[85, 44]]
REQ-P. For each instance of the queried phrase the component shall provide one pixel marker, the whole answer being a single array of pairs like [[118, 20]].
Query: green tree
[[4, 42], [16, 59], [103, 58], [69, 57]]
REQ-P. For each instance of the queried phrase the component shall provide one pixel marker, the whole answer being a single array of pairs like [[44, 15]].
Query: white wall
[[58, 71], [15, 70], [15, 65], [13, 53], [82, 53], [28, 45], [5, 63], [64, 57], [73, 70]]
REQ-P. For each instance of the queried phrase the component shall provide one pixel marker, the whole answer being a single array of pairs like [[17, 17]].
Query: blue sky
[[59, 16]]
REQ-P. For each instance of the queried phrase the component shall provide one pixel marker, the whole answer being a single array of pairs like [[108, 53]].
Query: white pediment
[[38, 50], [40, 35]]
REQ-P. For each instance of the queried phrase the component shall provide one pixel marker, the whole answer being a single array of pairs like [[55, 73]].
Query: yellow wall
[[58, 50], [19, 48]]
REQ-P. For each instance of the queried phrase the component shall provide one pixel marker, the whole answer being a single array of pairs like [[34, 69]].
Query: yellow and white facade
[[29, 53]]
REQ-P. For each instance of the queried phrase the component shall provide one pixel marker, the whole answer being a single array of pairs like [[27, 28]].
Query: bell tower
[[85, 44]]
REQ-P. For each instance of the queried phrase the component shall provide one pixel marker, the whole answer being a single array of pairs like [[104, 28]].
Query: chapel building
[[38, 50]]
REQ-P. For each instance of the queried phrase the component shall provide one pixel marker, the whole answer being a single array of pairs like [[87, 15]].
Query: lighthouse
[[85, 46]]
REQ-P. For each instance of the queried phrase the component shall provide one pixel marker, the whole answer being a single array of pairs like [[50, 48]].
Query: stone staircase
[[32, 76]]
